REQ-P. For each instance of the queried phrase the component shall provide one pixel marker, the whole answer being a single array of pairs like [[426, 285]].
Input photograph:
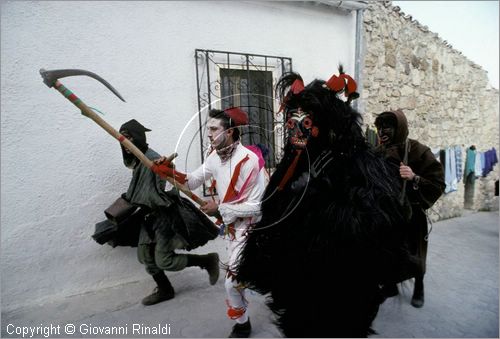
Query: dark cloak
[[167, 212], [430, 187]]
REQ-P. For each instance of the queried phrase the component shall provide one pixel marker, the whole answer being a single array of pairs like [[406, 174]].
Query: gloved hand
[[165, 169]]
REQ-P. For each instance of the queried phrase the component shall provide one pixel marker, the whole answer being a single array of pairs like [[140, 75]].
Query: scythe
[[165, 170]]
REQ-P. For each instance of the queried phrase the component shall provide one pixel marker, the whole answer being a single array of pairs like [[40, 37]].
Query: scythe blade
[[50, 78]]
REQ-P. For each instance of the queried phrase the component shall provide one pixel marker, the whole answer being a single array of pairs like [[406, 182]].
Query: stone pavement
[[461, 298], [461, 284]]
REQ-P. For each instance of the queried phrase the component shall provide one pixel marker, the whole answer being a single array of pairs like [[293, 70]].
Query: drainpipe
[[347, 7], [358, 55]]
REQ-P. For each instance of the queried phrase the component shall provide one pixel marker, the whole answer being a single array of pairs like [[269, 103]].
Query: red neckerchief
[[226, 152]]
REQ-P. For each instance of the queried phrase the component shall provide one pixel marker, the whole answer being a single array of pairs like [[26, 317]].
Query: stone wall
[[446, 97]]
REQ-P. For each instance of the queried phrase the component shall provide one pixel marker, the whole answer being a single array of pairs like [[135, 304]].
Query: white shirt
[[246, 208]]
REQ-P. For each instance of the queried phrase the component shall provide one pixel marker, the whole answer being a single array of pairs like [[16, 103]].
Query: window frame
[[209, 90]]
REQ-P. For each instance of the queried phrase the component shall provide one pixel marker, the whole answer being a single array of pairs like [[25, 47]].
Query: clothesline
[[477, 163]]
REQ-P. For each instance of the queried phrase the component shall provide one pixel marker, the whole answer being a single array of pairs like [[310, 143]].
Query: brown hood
[[401, 132], [396, 149]]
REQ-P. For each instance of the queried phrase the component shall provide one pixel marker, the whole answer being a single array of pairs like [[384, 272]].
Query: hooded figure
[[330, 230], [137, 134], [169, 222], [423, 183], [145, 188]]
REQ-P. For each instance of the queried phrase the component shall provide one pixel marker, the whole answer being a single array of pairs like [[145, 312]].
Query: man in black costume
[[424, 185], [330, 210], [171, 222]]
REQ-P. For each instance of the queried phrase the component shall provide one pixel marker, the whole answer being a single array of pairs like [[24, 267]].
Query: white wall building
[[59, 170]]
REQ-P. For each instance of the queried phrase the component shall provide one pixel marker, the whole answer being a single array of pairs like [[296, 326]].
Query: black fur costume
[[332, 234]]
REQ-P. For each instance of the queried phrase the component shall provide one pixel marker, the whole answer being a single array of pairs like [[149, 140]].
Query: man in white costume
[[238, 175]]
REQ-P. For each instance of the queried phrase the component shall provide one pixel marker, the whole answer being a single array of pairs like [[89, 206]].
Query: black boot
[[163, 292], [209, 262], [418, 293], [241, 330]]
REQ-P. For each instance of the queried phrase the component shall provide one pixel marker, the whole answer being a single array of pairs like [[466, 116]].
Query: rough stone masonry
[[445, 96]]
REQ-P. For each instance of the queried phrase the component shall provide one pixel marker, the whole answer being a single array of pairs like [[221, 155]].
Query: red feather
[[336, 83], [351, 84], [297, 86]]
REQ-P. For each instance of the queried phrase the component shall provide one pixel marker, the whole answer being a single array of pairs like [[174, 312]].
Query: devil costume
[[421, 193], [331, 205]]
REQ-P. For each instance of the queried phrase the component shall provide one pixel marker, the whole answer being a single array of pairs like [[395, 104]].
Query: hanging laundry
[[442, 158], [478, 167], [458, 161], [436, 151], [470, 161], [494, 157], [450, 172], [483, 164], [490, 159]]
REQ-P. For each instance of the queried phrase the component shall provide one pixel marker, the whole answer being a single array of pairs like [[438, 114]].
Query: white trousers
[[236, 301]]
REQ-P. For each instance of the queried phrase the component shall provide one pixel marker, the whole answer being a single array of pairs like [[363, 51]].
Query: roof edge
[[346, 5]]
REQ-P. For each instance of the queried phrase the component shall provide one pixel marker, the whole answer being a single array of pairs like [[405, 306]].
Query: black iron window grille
[[228, 79]]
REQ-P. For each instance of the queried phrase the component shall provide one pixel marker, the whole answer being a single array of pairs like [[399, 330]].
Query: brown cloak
[[421, 195]]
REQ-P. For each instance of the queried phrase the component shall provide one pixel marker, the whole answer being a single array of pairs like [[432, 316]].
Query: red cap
[[238, 116]]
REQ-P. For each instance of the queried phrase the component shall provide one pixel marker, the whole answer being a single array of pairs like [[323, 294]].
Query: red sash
[[231, 194]]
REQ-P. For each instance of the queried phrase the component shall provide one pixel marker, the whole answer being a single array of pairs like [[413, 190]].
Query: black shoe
[[158, 296], [209, 262], [212, 267], [241, 330], [418, 294], [163, 292]]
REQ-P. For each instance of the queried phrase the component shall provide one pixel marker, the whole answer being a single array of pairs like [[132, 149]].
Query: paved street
[[461, 288]]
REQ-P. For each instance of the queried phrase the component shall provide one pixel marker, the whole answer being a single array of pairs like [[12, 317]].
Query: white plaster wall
[[59, 170]]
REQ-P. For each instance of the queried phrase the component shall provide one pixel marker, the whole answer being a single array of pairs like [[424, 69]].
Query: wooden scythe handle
[[124, 141]]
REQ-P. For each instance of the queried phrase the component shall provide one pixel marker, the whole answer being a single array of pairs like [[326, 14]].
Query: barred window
[[228, 79]]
